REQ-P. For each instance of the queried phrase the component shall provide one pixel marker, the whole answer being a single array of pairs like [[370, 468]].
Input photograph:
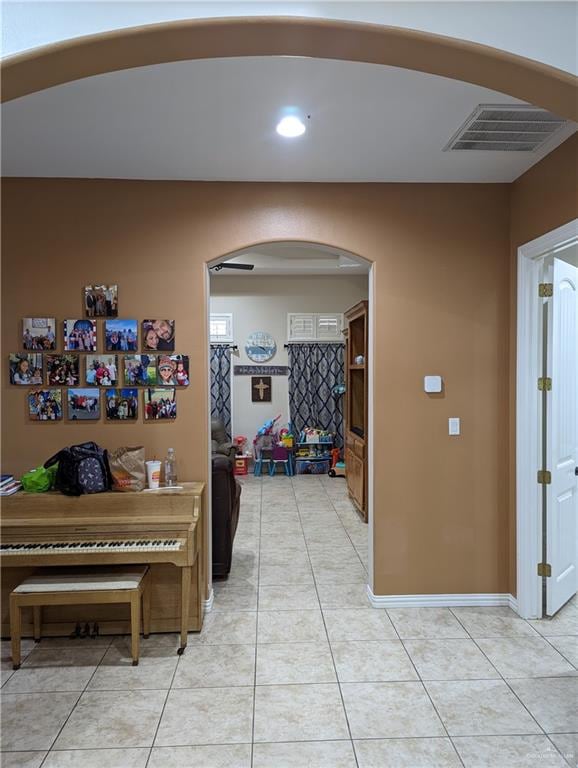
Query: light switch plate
[[432, 384], [453, 426]]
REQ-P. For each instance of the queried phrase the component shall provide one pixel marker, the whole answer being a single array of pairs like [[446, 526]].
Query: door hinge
[[545, 290], [545, 384], [544, 476], [544, 569]]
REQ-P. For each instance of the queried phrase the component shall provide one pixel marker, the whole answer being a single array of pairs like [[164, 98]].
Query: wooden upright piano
[[163, 528]]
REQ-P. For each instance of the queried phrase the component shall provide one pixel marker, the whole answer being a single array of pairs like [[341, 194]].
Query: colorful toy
[[337, 466], [240, 444], [267, 427]]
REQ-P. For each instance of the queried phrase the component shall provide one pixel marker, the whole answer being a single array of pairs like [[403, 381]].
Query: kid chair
[[262, 446], [280, 455]]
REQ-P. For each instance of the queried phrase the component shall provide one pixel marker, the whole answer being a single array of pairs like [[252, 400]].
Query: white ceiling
[[215, 119], [290, 258]]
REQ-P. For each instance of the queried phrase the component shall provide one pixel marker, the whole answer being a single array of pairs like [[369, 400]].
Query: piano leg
[[186, 578], [146, 605], [135, 626], [15, 630]]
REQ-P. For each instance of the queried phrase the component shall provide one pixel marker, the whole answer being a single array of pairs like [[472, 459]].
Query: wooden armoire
[[356, 405]]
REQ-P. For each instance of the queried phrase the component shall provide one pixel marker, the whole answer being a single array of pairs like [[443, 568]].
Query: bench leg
[[146, 606], [37, 614], [186, 576], [15, 631], [135, 625]]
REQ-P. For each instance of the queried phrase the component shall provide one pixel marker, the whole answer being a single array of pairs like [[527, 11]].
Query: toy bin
[[305, 466], [242, 464]]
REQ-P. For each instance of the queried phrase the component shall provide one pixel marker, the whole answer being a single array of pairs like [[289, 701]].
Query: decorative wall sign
[[257, 370], [260, 346], [261, 389]]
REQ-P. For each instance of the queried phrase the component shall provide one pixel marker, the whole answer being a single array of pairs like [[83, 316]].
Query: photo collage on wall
[[104, 364]]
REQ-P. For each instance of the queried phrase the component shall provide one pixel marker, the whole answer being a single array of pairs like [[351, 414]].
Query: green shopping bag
[[39, 480]]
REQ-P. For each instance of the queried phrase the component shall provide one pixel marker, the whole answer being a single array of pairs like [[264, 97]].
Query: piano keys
[[165, 530]]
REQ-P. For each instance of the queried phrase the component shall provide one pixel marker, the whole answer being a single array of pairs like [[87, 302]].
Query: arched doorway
[[292, 279], [91, 55]]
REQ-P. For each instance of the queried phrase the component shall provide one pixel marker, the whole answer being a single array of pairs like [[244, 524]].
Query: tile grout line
[[257, 623], [547, 639], [426, 690], [330, 648], [163, 708], [504, 679], [80, 695]]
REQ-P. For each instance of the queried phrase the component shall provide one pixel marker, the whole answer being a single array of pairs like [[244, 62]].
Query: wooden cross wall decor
[[260, 389]]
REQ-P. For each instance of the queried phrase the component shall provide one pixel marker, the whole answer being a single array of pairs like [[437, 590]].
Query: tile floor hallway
[[294, 669]]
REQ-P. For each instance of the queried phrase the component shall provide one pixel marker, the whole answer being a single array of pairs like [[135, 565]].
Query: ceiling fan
[[232, 265]]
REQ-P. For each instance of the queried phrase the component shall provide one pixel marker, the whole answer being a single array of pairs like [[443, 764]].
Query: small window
[[301, 327], [311, 326], [221, 327]]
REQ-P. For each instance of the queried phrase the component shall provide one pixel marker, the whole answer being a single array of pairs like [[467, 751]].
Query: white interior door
[[561, 436]]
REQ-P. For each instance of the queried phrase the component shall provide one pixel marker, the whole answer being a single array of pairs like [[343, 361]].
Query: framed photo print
[[45, 405], [101, 300], [140, 370], [83, 404], [260, 389], [101, 370], [39, 333], [158, 335], [62, 370], [120, 335], [160, 403], [26, 369], [173, 370], [80, 335], [121, 404]]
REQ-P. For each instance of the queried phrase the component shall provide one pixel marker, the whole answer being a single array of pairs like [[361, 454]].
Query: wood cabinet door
[[354, 474]]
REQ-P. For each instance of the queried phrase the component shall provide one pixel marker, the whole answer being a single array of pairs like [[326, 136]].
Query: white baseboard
[[208, 603], [441, 601], [513, 603]]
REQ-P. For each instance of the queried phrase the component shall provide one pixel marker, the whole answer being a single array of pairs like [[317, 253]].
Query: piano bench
[[82, 586]]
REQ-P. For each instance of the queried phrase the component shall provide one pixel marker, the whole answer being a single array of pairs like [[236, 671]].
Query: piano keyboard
[[71, 547]]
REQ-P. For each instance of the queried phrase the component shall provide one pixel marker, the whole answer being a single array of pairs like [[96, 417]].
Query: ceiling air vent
[[506, 128]]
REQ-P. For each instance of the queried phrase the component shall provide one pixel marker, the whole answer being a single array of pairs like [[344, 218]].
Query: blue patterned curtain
[[314, 371], [221, 384]]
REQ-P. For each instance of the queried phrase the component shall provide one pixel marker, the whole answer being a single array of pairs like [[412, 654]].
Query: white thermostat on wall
[[432, 384]]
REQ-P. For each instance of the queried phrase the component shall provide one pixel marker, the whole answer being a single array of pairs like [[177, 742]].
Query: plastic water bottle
[[171, 468]]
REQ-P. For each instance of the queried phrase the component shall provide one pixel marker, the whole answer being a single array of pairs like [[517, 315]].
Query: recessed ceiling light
[[290, 127]]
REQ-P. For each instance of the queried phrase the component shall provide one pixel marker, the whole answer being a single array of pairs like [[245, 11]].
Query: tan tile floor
[[294, 669]]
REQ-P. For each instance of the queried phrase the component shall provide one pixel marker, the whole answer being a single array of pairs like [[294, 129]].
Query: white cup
[[153, 474]]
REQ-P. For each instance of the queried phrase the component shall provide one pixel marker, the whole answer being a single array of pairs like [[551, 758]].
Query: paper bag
[[127, 466]]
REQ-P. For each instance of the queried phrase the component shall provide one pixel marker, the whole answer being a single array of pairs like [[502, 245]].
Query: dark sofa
[[226, 499]]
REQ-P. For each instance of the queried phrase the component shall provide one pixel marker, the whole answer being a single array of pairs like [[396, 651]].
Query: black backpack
[[81, 469]]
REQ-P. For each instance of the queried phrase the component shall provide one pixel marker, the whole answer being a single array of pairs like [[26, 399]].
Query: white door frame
[[528, 410]]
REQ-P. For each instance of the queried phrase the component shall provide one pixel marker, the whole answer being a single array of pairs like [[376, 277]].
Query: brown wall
[[441, 255], [542, 199]]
